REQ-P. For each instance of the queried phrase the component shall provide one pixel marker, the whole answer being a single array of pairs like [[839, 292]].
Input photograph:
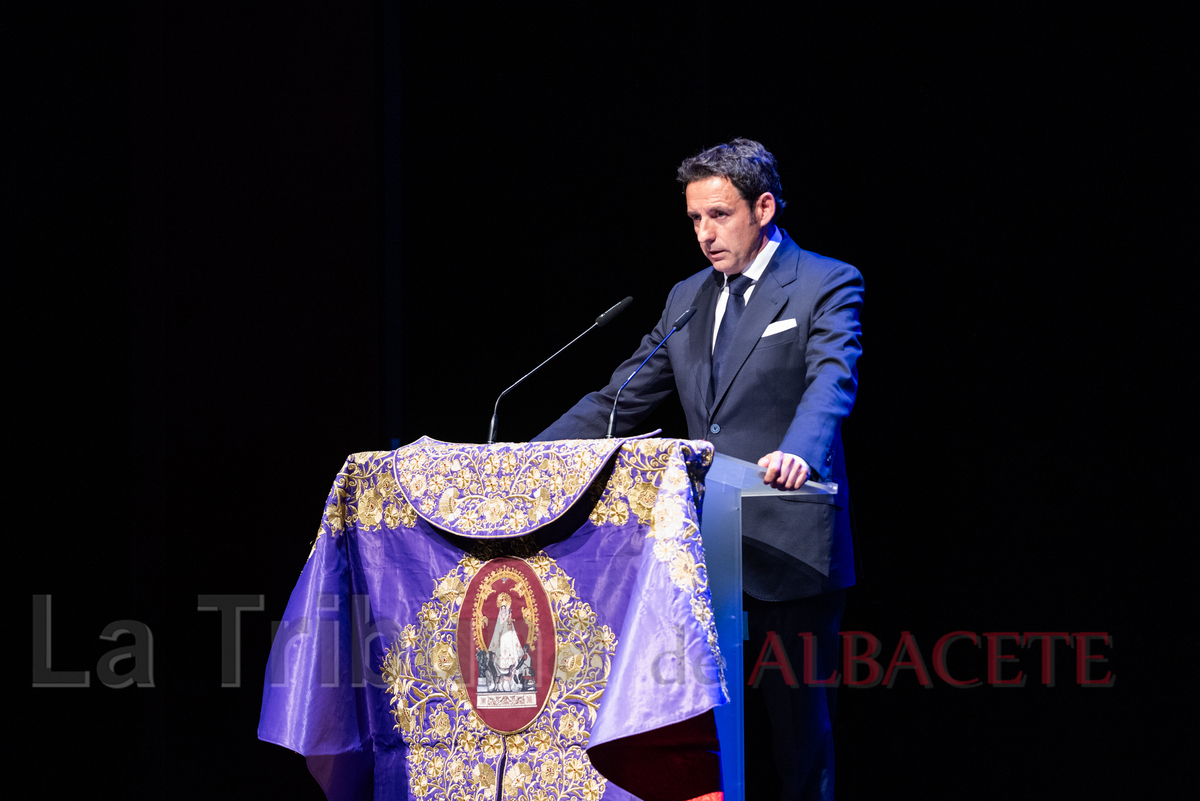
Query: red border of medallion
[[505, 706]]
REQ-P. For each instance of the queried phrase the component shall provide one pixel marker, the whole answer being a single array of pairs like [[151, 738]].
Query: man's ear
[[764, 209]]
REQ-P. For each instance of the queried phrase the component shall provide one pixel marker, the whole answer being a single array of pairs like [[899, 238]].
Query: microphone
[[608, 316], [679, 323], [601, 321]]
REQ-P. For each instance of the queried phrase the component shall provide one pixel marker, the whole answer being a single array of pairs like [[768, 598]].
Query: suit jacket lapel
[[768, 296], [700, 336]]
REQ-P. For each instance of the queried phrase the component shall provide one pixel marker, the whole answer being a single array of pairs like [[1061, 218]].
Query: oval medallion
[[506, 644]]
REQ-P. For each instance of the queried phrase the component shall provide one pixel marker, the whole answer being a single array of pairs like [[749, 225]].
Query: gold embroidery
[[497, 490], [408, 515], [353, 487], [641, 499], [451, 753], [450, 587], [645, 469], [360, 492], [487, 494], [443, 660], [333, 516]]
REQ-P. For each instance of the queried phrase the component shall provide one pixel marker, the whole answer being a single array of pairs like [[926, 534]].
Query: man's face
[[729, 234]]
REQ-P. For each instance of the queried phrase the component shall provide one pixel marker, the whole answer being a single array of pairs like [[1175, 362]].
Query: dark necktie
[[729, 322]]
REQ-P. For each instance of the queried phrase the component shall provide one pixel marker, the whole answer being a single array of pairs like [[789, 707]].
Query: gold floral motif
[[666, 550], [598, 515], [516, 777], [441, 726], [615, 511], [484, 775], [540, 564], [408, 637], [684, 571], [542, 739], [429, 616], [408, 515], [641, 499], [667, 516], [448, 503], [443, 660], [618, 512], [581, 618], [606, 638], [333, 518], [387, 486], [494, 511], [492, 745], [450, 588], [404, 718], [550, 771], [569, 726], [370, 506], [675, 477], [575, 769], [560, 587], [570, 661]]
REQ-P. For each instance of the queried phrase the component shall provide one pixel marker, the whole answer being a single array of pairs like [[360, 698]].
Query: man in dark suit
[[766, 371]]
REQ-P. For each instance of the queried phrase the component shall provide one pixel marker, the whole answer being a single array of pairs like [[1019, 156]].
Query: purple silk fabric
[[363, 676]]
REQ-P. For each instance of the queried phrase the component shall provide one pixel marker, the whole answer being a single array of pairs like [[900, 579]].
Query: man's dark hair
[[748, 165]]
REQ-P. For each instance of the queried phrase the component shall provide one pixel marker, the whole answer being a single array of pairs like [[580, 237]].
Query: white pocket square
[[779, 327]]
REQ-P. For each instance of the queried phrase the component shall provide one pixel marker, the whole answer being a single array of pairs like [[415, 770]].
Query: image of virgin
[[506, 648]]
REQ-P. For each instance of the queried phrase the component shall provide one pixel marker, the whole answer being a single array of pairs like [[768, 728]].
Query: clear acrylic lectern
[[728, 481]]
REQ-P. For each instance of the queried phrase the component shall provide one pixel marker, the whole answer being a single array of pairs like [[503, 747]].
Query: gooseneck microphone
[[601, 321], [679, 323]]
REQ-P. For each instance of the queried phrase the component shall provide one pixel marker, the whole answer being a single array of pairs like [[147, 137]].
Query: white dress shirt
[[753, 272]]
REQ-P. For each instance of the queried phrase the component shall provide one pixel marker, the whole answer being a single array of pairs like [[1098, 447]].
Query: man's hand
[[785, 471]]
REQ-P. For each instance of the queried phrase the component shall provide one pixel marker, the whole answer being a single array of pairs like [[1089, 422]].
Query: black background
[[253, 239]]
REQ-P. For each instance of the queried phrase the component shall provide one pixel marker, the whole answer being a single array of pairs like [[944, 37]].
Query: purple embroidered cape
[[474, 620]]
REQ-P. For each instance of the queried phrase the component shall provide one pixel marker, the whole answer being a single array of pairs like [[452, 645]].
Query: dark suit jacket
[[788, 391]]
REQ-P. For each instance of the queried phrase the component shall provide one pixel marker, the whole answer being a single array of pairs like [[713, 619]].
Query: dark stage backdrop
[[256, 239]]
